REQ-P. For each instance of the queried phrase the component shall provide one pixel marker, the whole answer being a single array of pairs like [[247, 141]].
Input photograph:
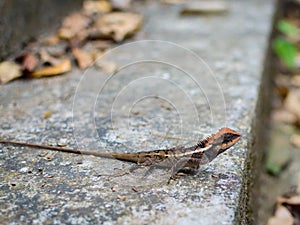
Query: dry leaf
[[295, 80], [78, 38], [47, 58], [29, 62], [292, 102], [72, 25], [282, 115], [53, 40], [121, 4], [63, 67], [282, 216], [55, 51], [298, 186], [295, 140], [108, 67], [83, 58], [205, 7], [9, 71], [118, 25], [99, 44], [294, 200], [293, 205], [173, 1], [91, 7], [65, 33], [287, 210]]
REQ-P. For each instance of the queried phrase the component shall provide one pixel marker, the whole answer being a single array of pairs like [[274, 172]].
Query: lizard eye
[[229, 137]]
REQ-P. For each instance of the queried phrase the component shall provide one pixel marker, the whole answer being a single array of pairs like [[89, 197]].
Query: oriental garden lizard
[[176, 158]]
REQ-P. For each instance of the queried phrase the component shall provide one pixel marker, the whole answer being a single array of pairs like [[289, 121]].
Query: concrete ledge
[[124, 112]]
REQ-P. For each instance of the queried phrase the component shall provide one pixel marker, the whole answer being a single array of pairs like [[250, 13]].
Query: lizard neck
[[212, 152]]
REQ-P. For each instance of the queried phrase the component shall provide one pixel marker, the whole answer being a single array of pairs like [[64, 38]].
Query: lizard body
[[175, 158]]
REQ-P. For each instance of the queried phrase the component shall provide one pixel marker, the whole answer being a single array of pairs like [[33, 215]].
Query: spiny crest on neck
[[224, 135], [206, 141]]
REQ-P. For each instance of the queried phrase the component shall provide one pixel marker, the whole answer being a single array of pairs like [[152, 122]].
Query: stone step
[[195, 75]]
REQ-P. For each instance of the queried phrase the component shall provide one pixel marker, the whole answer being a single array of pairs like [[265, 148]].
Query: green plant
[[284, 46], [286, 51]]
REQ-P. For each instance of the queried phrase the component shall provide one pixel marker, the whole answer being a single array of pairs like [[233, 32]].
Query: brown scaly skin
[[175, 158]]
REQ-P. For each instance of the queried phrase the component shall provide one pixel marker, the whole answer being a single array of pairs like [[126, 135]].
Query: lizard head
[[225, 138]]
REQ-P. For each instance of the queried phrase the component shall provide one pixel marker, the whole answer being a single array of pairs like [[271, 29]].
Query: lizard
[[175, 158]]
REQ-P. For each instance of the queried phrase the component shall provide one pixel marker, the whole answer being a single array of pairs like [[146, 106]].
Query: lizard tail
[[131, 157]]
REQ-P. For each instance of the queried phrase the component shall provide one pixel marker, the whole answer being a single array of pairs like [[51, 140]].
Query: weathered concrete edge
[[21, 21], [254, 164]]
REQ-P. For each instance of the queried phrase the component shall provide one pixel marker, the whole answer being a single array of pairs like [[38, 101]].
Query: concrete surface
[[172, 93]]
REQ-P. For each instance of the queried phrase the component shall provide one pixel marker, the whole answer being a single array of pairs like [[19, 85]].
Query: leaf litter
[[287, 209], [283, 149], [82, 37], [9, 71]]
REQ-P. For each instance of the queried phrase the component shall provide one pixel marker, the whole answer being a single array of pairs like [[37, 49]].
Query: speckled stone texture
[[170, 99]]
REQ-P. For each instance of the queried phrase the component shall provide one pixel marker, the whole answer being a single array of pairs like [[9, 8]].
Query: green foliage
[[287, 28], [273, 169], [286, 51], [284, 46]]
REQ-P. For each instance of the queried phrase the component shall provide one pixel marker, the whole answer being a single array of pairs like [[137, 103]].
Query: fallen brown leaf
[[295, 80], [72, 24], [205, 7], [29, 62], [91, 7], [121, 4], [83, 58], [173, 1], [287, 209], [99, 44], [295, 140], [298, 186], [282, 115], [47, 58], [293, 205], [282, 216], [292, 102], [118, 25], [56, 51], [78, 38], [63, 67], [282, 85], [53, 40], [9, 71], [292, 200]]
